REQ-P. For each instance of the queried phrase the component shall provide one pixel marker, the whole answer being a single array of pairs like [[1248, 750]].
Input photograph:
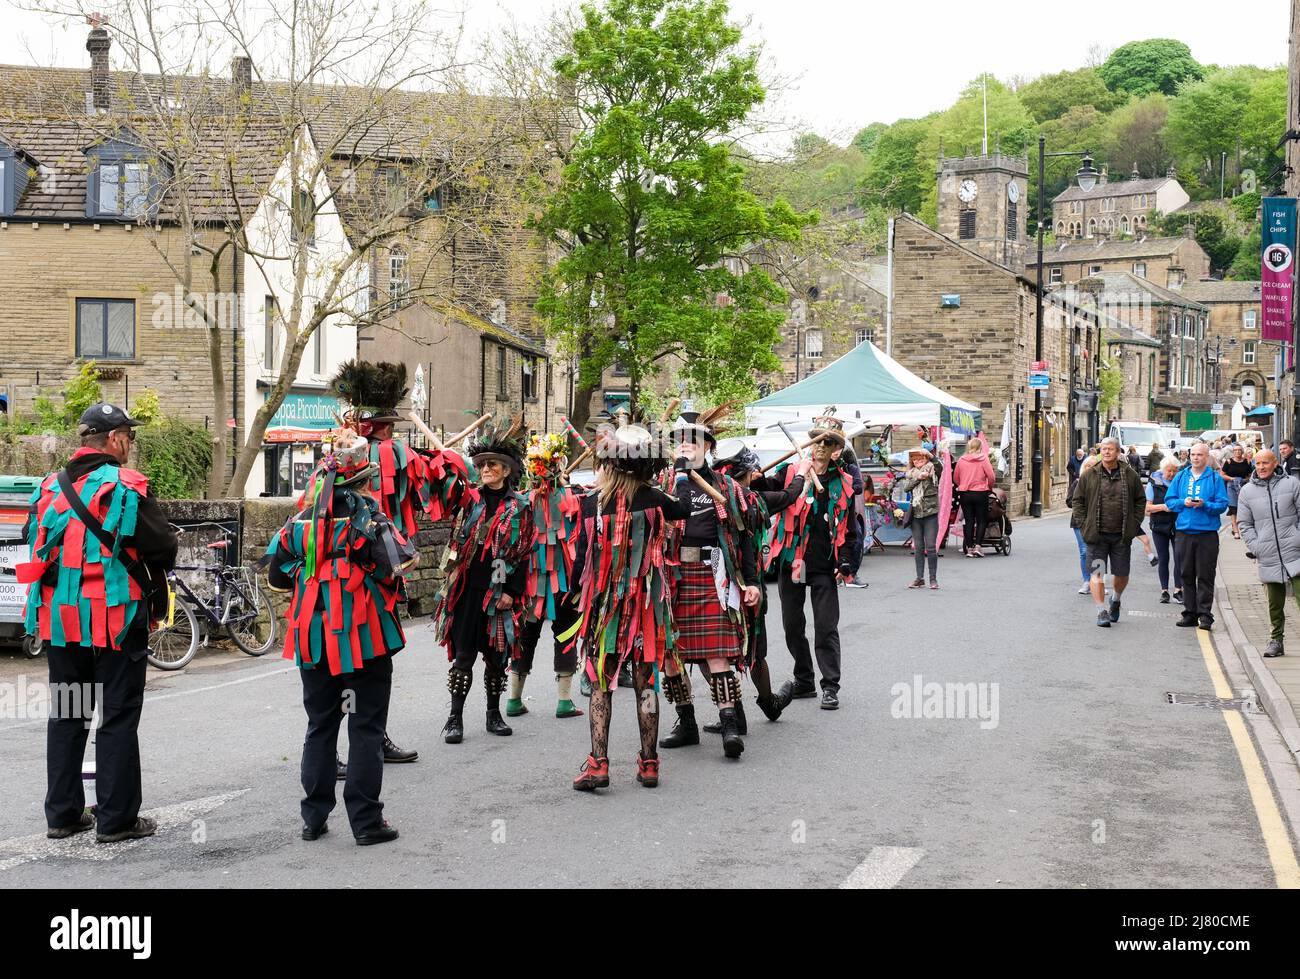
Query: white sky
[[855, 63]]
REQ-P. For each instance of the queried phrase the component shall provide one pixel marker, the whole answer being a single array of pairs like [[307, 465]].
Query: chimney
[[98, 44], [241, 76], [1104, 175], [1136, 174]]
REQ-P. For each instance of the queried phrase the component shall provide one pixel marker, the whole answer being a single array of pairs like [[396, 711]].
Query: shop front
[[291, 447]]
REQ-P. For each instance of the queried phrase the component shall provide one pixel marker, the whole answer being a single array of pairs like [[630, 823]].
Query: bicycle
[[238, 604]]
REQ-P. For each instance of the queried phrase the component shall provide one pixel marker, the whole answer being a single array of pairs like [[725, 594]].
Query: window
[[1123, 224], [1076, 207], [966, 226], [1013, 222], [813, 344], [1060, 228], [530, 378], [395, 190], [503, 386], [399, 283], [1054, 275], [865, 336], [433, 200], [1092, 227], [123, 189], [1187, 372], [1140, 269], [1174, 278], [1248, 352], [1094, 270], [15, 171], [106, 329], [270, 333], [1250, 319], [303, 218]]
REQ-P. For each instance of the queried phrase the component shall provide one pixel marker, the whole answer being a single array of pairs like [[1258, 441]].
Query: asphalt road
[[1083, 777]]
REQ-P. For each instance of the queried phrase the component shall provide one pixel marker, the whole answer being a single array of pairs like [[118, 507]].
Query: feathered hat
[[501, 444], [702, 425], [373, 391], [735, 458], [828, 428], [625, 442]]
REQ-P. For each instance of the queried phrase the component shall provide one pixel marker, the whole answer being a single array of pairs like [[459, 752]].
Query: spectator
[[1162, 528], [1134, 460], [1147, 549], [975, 480], [1073, 467], [1108, 505], [1154, 458], [1268, 511], [1288, 460], [1198, 497], [1077, 527], [1235, 472], [922, 481]]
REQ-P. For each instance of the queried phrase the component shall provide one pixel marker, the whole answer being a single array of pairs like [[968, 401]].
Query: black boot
[[684, 732], [783, 697], [741, 723], [732, 746], [393, 755], [453, 732], [770, 706], [495, 724], [458, 683]]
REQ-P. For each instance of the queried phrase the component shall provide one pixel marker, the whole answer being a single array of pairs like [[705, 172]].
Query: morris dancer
[[552, 586], [764, 497], [625, 599], [716, 573], [342, 558], [813, 540], [481, 605], [404, 480]]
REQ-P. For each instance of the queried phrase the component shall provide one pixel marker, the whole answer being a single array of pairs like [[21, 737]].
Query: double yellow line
[[1281, 854]]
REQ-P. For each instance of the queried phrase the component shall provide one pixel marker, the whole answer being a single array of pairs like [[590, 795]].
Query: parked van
[[1142, 434]]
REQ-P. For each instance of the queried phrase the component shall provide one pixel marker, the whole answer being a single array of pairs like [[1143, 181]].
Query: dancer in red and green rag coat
[[481, 606], [813, 543], [342, 559], [716, 578], [88, 604], [552, 582], [626, 600]]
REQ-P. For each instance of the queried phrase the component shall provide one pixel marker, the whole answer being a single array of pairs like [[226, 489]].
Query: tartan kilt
[[704, 630]]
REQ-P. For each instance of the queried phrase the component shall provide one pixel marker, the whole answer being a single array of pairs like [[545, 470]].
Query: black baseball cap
[[102, 417]]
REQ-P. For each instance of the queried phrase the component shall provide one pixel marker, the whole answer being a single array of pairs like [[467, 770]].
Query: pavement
[[990, 735]]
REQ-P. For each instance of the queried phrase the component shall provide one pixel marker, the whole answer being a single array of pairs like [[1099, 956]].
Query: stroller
[[997, 532]]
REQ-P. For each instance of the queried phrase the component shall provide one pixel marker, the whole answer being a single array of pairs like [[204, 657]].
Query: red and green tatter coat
[[791, 530], [556, 526]]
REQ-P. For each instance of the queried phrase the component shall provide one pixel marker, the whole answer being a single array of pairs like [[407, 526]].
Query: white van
[[1142, 434]]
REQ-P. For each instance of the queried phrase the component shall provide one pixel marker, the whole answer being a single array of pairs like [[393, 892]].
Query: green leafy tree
[[892, 178], [1246, 265], [1052, 96], [1081, 129], [82, 391], [1143, 67], [1135, 136], [865, 140], [1214, 232], [651, 210], [1110, 379], [1230, 110]]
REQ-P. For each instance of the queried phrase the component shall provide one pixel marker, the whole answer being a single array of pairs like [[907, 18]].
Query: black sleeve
[[748, 560], [677, 506], [588, 509], [154, 539], [778, 499]]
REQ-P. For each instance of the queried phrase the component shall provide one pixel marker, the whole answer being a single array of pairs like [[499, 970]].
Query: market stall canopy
[[866, 385], [1263, 411]]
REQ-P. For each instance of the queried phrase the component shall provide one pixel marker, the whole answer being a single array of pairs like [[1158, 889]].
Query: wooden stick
[[574, 464], [668, 410], [699, 481], [568, 425], [817, 483], [428, 432], [469, 431]]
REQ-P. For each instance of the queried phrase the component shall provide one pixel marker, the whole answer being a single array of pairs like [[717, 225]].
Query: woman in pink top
[[974, 478]]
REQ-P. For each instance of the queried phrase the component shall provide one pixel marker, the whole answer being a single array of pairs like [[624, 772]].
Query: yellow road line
[[1276, 839]]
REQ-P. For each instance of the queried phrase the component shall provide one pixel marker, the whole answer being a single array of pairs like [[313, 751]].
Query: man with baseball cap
[[100, 551]]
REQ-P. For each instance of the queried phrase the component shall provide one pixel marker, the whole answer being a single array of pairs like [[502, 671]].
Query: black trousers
[[80, 677], [1198, 556], [363, 696], [975, 514], [826, 627], [566, 614]]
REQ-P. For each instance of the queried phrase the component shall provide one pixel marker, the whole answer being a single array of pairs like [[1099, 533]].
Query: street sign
[[1039, 382], [1039, 367], [1216, 409]]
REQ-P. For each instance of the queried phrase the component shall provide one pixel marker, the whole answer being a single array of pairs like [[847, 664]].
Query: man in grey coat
[[1268, 512]]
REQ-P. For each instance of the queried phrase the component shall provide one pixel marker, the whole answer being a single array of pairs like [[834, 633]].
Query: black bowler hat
[[102, 417]]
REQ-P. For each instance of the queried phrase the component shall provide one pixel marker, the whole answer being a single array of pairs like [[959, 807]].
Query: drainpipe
[[482, 374], [889, 292]]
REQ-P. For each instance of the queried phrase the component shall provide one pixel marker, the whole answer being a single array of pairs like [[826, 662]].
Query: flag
[[1004, 445]]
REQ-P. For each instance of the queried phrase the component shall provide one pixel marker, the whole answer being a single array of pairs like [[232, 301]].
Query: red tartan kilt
[[704, 630]]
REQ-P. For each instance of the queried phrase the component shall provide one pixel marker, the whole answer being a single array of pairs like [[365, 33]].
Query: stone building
[[982, 205], [1242, 365], [1135, 355], [1118, 208], [1167, 262]]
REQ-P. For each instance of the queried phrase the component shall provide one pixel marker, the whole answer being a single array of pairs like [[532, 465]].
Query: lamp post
[[1087, 176]]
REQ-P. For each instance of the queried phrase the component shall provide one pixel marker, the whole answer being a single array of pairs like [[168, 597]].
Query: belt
[[696, 555]]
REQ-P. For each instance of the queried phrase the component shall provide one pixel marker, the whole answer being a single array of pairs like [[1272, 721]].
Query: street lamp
[[1087, 176]]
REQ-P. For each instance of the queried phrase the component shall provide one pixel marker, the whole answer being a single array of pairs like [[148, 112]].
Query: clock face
[[1013, 192], [967, 191]]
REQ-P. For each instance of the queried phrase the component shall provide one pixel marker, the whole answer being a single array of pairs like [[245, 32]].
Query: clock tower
[[983, 203]]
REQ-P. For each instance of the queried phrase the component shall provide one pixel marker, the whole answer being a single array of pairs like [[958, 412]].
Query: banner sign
[[962, 421], [1277, 267]]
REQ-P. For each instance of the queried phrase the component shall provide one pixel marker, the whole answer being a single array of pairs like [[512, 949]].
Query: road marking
[[175, 693], [29, 849], [884, 867], [1276, 839]]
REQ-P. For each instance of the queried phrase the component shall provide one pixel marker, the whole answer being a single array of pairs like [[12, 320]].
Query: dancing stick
[[817, 483], [469, 431], [575, 463], [428, 432], [568, 427], [699, 481]]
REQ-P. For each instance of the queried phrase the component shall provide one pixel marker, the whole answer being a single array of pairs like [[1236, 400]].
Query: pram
[[997, 532]]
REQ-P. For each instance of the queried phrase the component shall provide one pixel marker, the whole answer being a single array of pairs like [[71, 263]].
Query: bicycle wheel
[[172, 647], [250, 617]]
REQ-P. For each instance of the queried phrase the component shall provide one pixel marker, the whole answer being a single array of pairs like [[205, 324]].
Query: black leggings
[[975, 511]]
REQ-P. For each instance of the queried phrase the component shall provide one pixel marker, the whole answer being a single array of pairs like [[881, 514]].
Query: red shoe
[[647, 771], [594, 775]]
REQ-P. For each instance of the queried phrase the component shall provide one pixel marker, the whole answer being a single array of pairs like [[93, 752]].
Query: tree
[[1136, 136], [1110, 379], [1233, 110], [1214, 229], [1156, 65], [1246, 265], [1052, 96], [651, 211], [866, 138], [892, 178]]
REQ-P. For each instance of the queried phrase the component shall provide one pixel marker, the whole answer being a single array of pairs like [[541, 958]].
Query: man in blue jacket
[[1198, 497]]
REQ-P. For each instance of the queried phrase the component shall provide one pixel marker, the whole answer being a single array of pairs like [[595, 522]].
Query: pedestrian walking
[[1198, 497], [1073, 468], [1154, 458], [921, 481], [100, 551], [1268, 512], [342, 558], [1108, 505], [975, 480], [1134, 460], [1148, 549], [1077, 527], [1162, 528], [1235, 471]]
